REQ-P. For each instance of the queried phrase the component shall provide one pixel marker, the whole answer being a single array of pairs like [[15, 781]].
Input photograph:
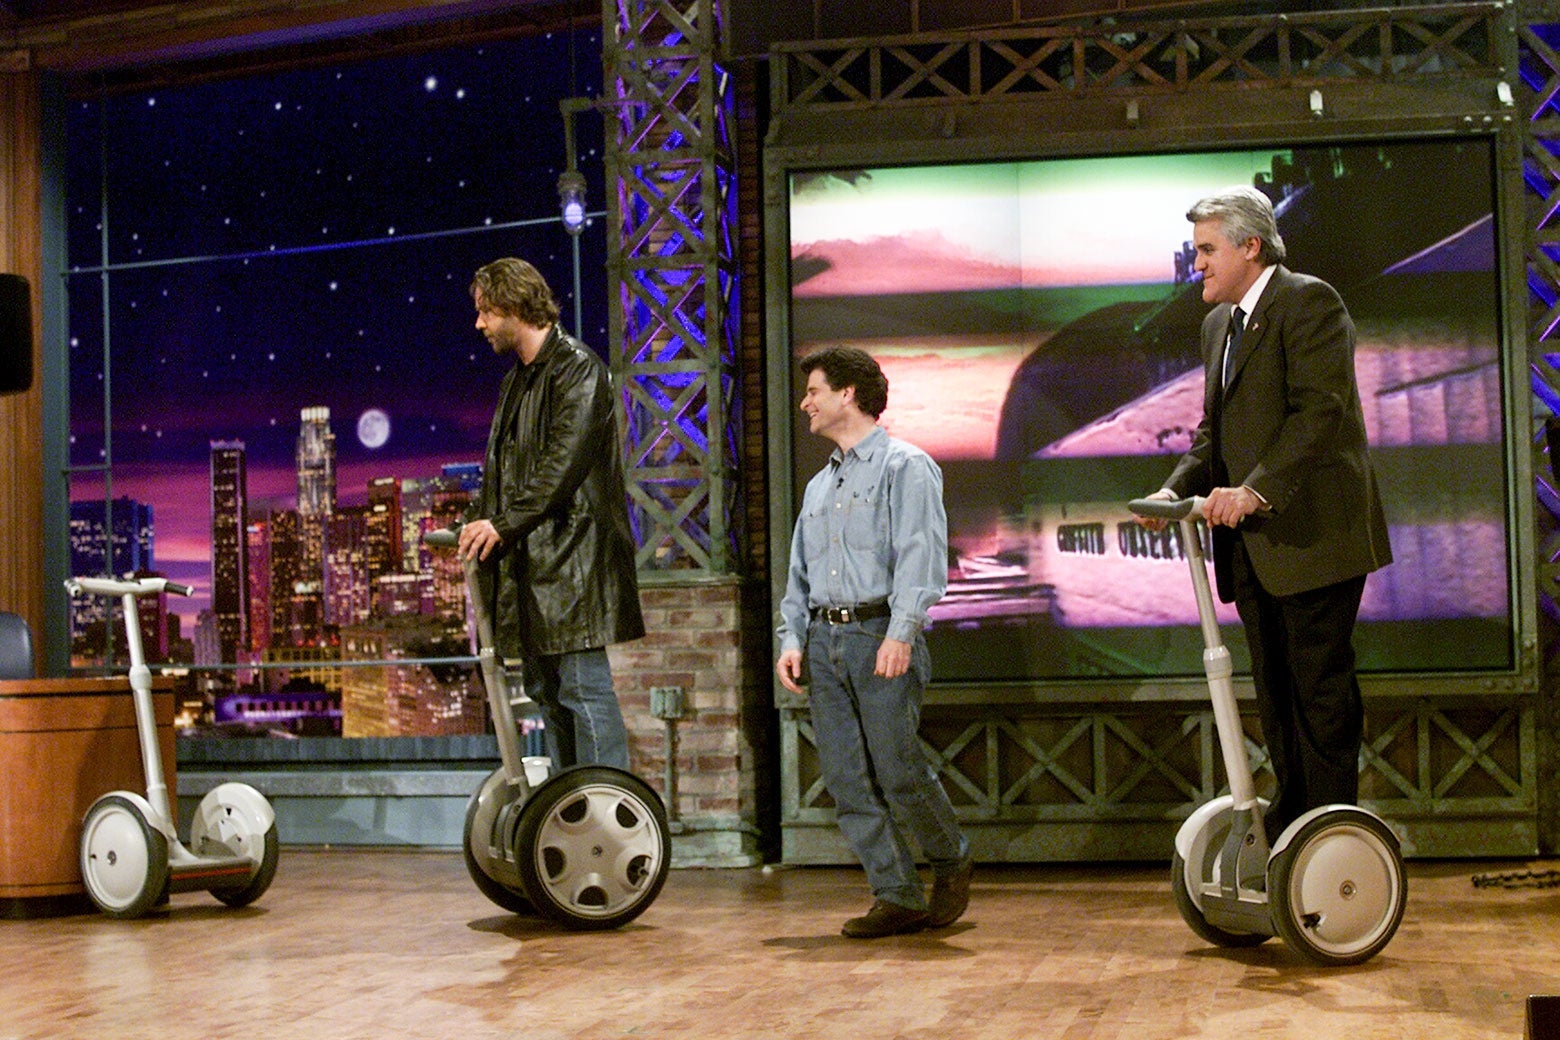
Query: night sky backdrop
[[305, 239]]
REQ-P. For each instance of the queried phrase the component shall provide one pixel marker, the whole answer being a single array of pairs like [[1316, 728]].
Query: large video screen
[[1039, 325]]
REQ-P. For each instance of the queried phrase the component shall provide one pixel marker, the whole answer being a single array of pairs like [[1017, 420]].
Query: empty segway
[[1332, 886], [131, 856], [586, 847]]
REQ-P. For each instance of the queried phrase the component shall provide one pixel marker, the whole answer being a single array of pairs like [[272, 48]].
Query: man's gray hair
[[1245, 213]]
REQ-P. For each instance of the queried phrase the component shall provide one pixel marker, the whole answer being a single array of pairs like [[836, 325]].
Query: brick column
[[709, 640]]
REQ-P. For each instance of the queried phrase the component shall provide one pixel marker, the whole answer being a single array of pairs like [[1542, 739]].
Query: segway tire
[[235, 820], [1338, 889], [479, 818], [1192, 914], [593, 847], [124, 859], [261, 879]]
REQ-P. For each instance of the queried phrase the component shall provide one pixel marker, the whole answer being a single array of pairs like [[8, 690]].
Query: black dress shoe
[[884, 919], [950, 896]]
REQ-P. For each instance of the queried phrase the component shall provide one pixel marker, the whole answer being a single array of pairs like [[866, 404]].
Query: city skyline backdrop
[[281, 243]]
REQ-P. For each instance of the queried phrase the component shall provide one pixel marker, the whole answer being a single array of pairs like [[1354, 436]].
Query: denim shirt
[[872, 528]]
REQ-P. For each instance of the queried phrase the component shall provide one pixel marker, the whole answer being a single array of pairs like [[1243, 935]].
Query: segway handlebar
[[127, 586], [444, 538], [1167, 508]]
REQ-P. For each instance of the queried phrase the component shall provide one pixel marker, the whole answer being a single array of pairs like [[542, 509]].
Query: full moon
[[373, 428]]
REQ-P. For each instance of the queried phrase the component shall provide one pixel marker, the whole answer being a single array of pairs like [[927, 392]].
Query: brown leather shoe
[[884, 919], [950, 896]]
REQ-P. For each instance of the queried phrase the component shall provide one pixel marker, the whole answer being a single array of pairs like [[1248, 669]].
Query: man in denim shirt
[[868, 558]]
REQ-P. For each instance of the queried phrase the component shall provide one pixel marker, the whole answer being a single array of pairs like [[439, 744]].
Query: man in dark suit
[[1297, 522]]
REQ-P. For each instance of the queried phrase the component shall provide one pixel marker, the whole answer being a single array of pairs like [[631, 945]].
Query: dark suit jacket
[[1290, 428]]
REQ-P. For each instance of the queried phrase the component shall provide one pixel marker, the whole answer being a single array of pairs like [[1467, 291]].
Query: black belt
[[845, 615]]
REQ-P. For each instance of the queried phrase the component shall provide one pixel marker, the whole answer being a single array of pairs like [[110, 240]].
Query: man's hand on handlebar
[[1154, 523], [1228, 506], [477, 540], [1225, 506]]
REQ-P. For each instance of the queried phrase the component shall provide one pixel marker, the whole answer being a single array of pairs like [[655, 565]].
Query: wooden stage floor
[[383, 945]]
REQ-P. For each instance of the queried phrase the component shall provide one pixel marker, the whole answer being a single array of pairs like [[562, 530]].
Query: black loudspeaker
[[16, 345], [1543, 1018]]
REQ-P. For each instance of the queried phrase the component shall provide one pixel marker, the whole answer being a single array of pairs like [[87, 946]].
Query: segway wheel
[[1182, 880], [261, 879], [227, 823], [487, 872], [593, 847], [124, 859], [1338, 889]]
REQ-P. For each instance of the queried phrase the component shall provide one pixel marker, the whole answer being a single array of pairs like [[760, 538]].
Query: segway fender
[[150, 815], [1199, 822], [1310, 814], [257, 814]]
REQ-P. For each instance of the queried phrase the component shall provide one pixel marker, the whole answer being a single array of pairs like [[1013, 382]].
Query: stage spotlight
[[571, 199]]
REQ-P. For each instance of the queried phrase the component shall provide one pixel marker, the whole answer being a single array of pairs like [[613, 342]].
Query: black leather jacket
[[552, 486]]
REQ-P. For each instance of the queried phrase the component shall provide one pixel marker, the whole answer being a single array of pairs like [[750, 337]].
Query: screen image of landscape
[[1038, 322]]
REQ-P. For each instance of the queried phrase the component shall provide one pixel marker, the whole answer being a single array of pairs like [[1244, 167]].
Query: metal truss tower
[[672, 280]]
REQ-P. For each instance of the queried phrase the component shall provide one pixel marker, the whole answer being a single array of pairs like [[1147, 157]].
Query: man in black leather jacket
[[551, 521]]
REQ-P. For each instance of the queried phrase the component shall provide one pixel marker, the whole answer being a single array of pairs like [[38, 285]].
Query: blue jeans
[[583, 724], [884, 790]]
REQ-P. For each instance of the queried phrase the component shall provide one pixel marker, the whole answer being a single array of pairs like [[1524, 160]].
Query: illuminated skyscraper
[[382, 538], [229, 548], [297, 609], [132, 541], [258, 536], [401, 700], [421, 497], [90, 542], [347, 580], [316, 463], [316, 494]]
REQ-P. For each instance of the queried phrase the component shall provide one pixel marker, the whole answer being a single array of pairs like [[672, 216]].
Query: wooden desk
[[63, 743]]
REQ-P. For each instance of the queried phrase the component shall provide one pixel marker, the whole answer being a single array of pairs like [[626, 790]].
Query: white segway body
[[587, 847], [1332, 886], [131, 856]]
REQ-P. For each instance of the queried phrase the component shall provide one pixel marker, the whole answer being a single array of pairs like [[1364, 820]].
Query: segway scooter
[[586, 847], [131, 856], [1332, 886]]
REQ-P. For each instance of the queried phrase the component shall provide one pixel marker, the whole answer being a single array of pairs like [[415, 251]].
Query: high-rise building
[[383, 533], [297, 610], [132, 536], [229, 548], [454, 485], [347, 581], [465, 476], [316, 490], [208, 651], [396, 594], [94, 552], [395, 699], [316, 463], [258, 539], [309, 666]]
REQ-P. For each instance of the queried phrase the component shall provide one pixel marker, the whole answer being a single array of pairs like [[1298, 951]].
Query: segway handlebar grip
[[101, 586], [443, 538], [1167, 508]]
